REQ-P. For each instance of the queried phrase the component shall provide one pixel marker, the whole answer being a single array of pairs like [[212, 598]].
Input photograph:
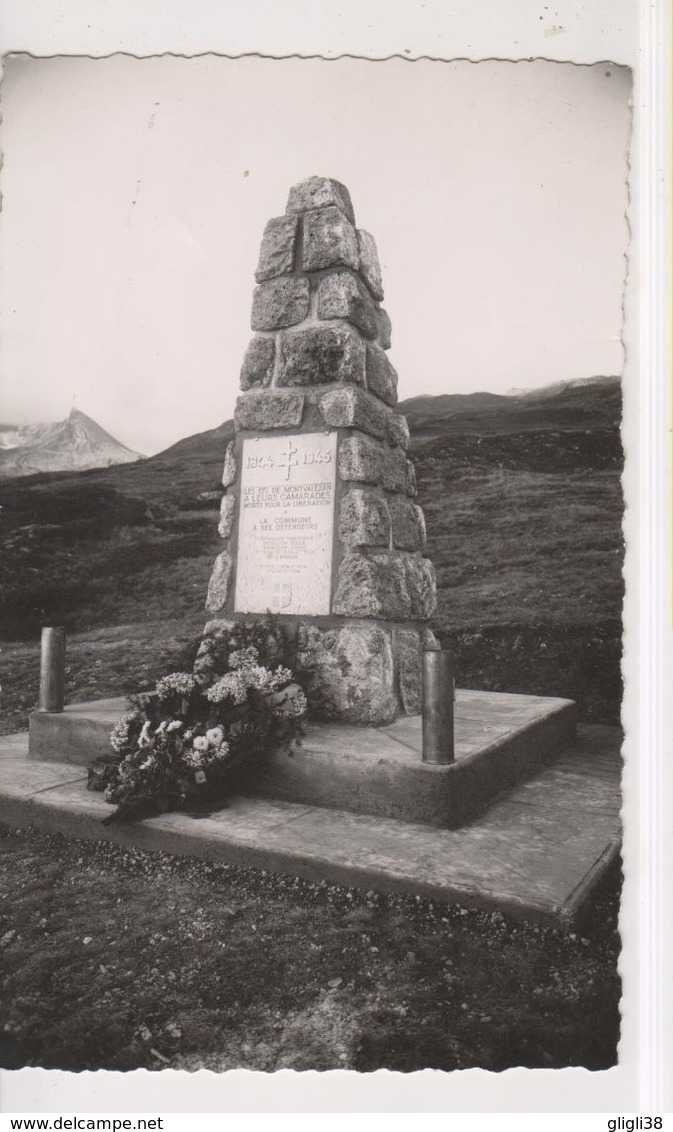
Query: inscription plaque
[[286, 524]]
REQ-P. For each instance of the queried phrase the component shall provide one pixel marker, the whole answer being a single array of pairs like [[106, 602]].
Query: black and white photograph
[[311, 612]]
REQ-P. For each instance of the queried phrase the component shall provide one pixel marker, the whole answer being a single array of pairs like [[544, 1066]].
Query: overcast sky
[[135, 192]]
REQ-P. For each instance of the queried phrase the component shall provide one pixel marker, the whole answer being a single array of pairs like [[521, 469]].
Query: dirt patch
[[121, 959]]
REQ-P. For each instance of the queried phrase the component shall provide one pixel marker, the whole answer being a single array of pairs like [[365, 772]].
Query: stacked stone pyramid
[[318, 363]]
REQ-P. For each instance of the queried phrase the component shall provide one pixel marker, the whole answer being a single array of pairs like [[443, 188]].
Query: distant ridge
[[80, 444], [560, 386], [582, 404], [74, 444], [585, 403], [203, 443]]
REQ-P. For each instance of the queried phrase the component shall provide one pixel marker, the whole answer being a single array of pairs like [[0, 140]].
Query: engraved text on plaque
[[286, 524]]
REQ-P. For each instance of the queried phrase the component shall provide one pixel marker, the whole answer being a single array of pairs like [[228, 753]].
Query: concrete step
[[500, 739], [538, 853]]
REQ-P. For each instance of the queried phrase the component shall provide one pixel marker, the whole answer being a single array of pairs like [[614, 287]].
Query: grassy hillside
[[523, 507], [570, 406]]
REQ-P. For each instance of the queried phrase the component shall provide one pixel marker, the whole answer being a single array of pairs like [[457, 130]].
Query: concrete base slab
[[499, 740], [538, 853], [78, 734]]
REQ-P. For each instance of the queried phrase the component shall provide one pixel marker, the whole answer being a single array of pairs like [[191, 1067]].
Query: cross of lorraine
[[289, 454]]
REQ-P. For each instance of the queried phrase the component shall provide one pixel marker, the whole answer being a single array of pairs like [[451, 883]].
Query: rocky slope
[[74, 444]]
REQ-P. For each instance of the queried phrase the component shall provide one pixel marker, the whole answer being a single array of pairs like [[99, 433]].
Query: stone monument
[[321, 528], [319, 519]]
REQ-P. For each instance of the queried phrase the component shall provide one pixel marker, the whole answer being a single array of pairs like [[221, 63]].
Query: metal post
[[52, 670], [438, 698]]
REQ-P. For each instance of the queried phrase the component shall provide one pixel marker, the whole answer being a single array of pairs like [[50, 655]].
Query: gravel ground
[[121, 959]]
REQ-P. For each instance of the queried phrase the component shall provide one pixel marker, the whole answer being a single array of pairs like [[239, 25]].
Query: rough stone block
[[342, 295], [257, 368], [229, 470], [280, 302], [361, 460], [370, 267], [320, 192], [381, 375], [392, 586], [372, 585], [227, 507], [421, 586], [218, 587], [384, 328], [398, 431], [269, 409], [348, 673], [321, 354], [409, 481], [408, 523], [364, 518], [352, 407], [396, 471], [408, 654], [276, 255], [329, 240]]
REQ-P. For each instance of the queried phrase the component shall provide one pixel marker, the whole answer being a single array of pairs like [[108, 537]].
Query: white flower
[[243, 658], [162, 727], [174, 725], [201, 743], [119, 736], [258, 677], [215, 736], [178, 683], [281, 676], [232, 686]]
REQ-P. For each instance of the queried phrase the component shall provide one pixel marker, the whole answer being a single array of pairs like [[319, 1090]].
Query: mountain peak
[[73, 444]]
